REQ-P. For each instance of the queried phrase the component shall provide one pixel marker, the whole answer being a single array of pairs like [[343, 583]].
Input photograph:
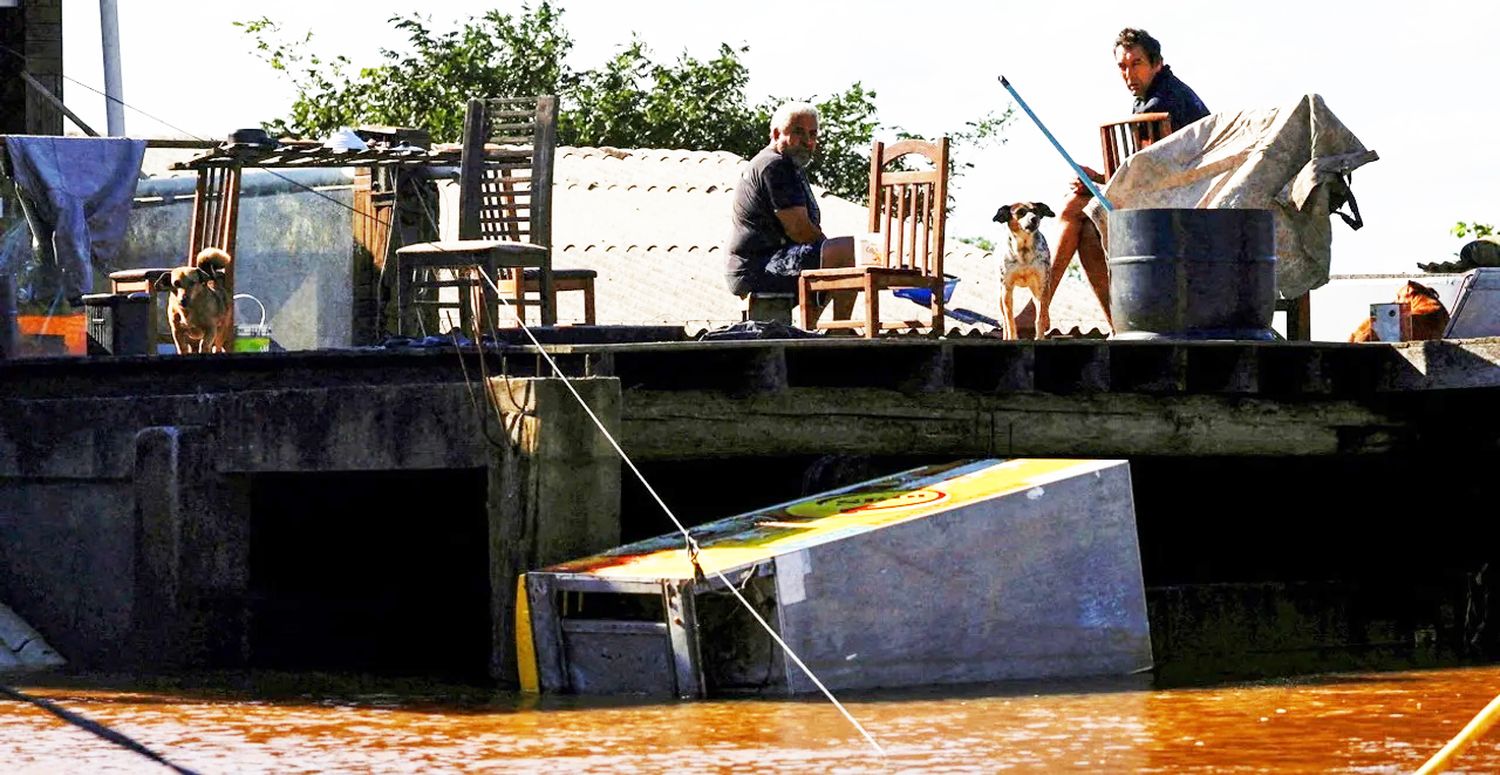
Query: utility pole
[[114, 100]]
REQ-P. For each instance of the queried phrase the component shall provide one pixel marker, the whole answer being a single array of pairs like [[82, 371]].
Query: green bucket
[[252, 337]]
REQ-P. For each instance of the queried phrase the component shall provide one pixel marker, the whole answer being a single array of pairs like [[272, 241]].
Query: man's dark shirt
[[770, 182], [1168, 94]]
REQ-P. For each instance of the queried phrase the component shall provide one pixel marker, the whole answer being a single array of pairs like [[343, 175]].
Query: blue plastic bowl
[[923, 296]]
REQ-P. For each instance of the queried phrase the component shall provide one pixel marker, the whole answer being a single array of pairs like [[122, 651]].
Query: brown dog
[[1027, 262], [198, 308], [1429, 318]]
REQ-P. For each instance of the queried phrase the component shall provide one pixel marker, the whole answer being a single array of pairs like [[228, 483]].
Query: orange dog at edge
[[1429, 318], [199, 306]]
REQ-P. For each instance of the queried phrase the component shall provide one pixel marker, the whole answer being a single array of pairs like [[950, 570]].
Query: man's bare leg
[[1073, 224], [1080, 236], [839, 252], [1095, 266]]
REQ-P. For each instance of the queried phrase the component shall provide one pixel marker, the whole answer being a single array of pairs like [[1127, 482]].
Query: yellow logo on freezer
[[865, 502]]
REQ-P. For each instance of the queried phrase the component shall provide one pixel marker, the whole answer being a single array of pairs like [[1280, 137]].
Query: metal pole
[[1108, 206], [114, 94]]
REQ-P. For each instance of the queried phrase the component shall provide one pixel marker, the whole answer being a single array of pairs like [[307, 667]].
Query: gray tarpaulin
[[1294, 160], [76, 192]]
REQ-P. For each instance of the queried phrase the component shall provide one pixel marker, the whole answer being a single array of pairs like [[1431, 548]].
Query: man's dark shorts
[[781, 270]]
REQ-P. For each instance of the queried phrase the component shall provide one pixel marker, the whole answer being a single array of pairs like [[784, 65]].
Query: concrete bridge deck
[[691, 399]]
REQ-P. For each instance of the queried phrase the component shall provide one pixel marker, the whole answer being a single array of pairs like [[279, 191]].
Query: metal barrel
[[1192, 274]]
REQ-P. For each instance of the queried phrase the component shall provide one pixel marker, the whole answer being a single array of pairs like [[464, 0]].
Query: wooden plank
[[924, 177], [688, 424], [175, 142], [51, 99]]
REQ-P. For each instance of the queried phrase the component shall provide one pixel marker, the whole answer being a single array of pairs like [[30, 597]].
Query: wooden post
[[554, 491], [544, 149], [374, 199]]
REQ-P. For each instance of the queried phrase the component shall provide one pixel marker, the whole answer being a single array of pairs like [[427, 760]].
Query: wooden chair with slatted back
[[215, 219], [504, 220], [508, 211], [1123, 138], [909, 211]]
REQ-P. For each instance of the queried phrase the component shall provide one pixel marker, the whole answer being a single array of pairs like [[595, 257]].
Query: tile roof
[[653, 222]]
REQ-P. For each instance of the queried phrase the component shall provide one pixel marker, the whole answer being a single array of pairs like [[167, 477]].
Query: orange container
[[53, 334]]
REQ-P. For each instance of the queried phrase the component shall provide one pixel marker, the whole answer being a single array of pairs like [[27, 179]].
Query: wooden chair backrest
[[214, 210], [505, 169], [909, 208], [1123, 138]]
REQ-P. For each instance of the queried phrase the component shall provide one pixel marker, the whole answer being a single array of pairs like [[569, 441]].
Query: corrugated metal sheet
[[653, 222]]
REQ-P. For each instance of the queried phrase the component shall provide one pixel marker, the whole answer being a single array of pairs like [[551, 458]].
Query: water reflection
[[279, 724]]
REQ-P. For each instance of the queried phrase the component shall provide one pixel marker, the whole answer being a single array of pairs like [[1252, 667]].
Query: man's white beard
[[800, 159]]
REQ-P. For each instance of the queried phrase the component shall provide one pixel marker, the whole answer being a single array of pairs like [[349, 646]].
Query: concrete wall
[[295, 250], [66, 560], [126, 520]]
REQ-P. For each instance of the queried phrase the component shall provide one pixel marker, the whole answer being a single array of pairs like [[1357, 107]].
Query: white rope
[[692, 544]]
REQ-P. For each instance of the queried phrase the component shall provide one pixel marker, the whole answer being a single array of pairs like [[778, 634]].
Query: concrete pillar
[[554, 491], [192, 552]]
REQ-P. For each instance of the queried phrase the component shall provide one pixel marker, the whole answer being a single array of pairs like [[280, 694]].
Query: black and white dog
[[1027, 262]]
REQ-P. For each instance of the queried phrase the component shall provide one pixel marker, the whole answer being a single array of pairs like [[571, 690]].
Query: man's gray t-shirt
[[770, 182]]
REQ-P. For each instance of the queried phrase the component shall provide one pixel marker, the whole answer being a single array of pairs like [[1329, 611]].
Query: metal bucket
[[1192, 274], [252, 337]]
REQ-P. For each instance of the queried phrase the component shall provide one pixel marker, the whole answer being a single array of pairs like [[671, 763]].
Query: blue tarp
[[76, 193]]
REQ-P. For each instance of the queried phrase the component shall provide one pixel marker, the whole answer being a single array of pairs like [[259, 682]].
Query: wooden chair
[[215, 218], [1123, 138], [910, 210], [504, 221]]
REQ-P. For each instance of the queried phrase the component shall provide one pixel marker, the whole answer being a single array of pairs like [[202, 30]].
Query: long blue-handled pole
[[1108, 205]]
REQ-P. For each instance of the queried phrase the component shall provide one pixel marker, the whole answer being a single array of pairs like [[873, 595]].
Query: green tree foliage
[[983, 243], [424, 86], [630, 101], [1466, 228]]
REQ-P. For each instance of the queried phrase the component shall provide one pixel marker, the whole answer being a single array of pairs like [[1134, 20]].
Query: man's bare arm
[[1079, 189], [798, 226]]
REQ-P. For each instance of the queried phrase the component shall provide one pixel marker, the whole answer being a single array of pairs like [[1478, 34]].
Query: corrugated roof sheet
[[653, 223]]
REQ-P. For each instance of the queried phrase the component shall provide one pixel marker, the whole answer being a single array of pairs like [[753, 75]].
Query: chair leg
[[1299, 319], [804, 304], [491, 292], [937, 312], [588, 302], [515, 290], [405, 296], [872, 309], [466, 302]]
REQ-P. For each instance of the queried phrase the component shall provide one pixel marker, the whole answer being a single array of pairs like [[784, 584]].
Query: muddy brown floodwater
[[278, 723]]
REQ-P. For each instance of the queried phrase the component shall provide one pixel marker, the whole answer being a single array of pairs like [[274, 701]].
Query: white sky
[[1415, 85]]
